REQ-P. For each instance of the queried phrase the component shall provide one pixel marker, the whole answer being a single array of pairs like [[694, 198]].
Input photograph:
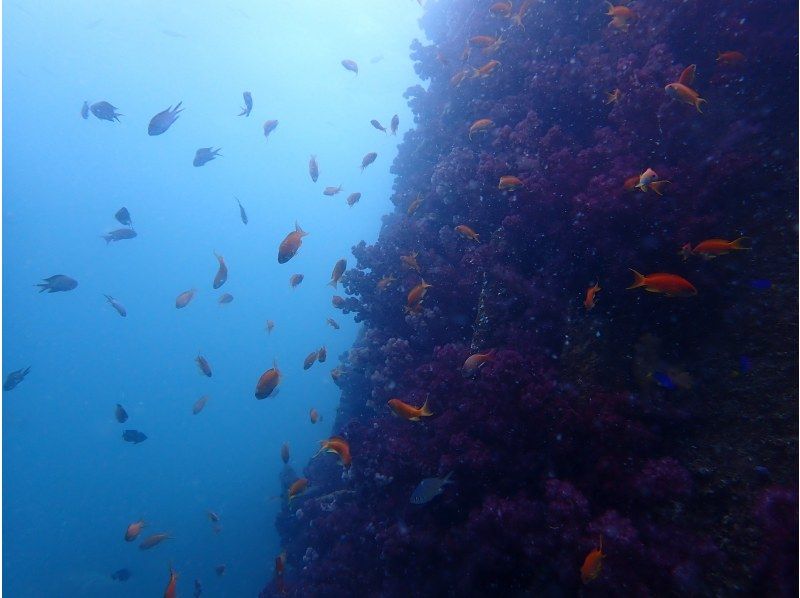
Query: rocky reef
[[659, 430]]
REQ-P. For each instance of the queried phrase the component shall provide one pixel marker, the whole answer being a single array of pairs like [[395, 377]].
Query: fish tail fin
[[698, 102], [638, 279], [737, 244], [299, 230], [447, 479], [333, 284], [425, 411]]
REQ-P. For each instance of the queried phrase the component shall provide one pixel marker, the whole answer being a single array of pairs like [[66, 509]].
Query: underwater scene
[[400, 298]]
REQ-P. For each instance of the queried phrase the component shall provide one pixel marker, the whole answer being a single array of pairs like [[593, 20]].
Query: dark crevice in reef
[[565, 436]]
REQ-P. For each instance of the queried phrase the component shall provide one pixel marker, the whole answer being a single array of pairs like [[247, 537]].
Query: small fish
[[412, 207], [485, 70], [592, 564], [322, 354], [222, 271], [591, 296], [291, 244], [376, 59], [242, 213], [198, 589], [712, 248], [212, 516], [285, 452], [480, 125], [313, 168], [184, 298], [248, 104], [309, 360], [681, 90], [269, 326], [647, 177], [199, 404], [377, 125], [15, 378], [416, 295], [123, 216], [85, 110], [459, 77], [269, 127], [203, 364], [384, 283], [133, 436], [116, 305], [516, 20], [339, 446], [467, 233], [120, 414], [295, 280], [338, 270], [353, 198], [297, 488], [331, 191], [671, 285], [761, 284], [337, 301], [204, 155], [153, 540], [119, 234], [475, 362], [350, 65], [220, 569], [500, 9], [105, 111], [394, 124], [509, 183], [730, 58], [332, 323], [121, 575], [57, 283], [268, 382], [367, 160], [664, 380], [225, 298], [133, 530], [410, 261], [171, 590], [621, 16], [429, 488], [409, 412], [280, 563], [613, 97], [164, 119], [314, 416]]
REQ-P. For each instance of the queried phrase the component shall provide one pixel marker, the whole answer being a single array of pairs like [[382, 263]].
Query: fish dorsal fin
[[687, 76]]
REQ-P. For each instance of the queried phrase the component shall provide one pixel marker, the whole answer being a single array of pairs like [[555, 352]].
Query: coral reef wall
[[663, 428]]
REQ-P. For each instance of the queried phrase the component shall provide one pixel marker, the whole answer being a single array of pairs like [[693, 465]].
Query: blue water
[[70, 484]]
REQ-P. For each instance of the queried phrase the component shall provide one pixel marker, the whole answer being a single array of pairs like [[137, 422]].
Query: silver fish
[[85, 111], [116, 305], [242, 213], [59, 282], [429, 488], [105, 111], [164, 119], [205, 154], [248, 104], [119, 235]]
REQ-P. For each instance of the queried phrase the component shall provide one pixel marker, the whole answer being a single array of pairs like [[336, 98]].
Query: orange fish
[[487, 42], [384, 282], [658, 187], [153, 540], [631, 183], [133, 530], [313, 168], [730, 58], [410, 261], [523, 8], [338, 445], [285, 452], [591, 296], [297, 488], [222, 272], [172, 586], [500, 9], [475, 362], [712, 248], [280, 563], [332, 323], [671, 285], [270, 325], [509, 183], [309, 361], [480, 125], [649, 180], [337, 301], [268, 381], [338, 270], [199, 405], [203, 364], [416, 295], [322, 354], [681, 90], [467, 232], [459, 77], [331, 191], [367, 160], [295, 280], [621, 16], [184, 298], [409, 412], [291, 244], [414, 205], [314, 416], [486, 69], [353, 199], [613, 97], [592, 564]]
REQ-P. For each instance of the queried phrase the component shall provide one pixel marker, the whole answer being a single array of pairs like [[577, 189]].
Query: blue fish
[[664, 381]]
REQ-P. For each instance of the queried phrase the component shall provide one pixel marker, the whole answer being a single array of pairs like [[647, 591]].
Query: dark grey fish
[[205, 154], [164, 119], [395, 123], [117, 305], [376, 59], [105, 111], [377, 125], [57, 283], [429, 488], [85, 111], [120, 414], [134, 436], [242, 213], [220, 569], [248, 104], [15, 378], [123, 216], [119, 235], [121, 575]]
